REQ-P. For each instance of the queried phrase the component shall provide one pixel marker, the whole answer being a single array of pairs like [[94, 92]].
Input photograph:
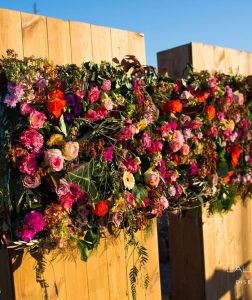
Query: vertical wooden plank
[[10, 32], [59, 44], [24, 276], [81, 42], [151, 244], [120, 43], [76, 277], [117, 274], [97, 268], [132, 258], [249, 63], [198, 60], [101, 43], [34, 35], [209, 252], [136, 46], [6, 277]]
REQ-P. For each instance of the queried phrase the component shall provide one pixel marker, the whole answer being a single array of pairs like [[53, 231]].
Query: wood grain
[[120, 43], [101, 43], [81, 42], [11, 32], [59, 44], [137, 46], [34, 30]]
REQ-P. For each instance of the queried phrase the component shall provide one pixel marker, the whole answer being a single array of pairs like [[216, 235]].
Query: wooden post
[[105, 275], [211, 256]]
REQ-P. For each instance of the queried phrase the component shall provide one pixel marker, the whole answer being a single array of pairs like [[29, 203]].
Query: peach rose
[[70, 150]]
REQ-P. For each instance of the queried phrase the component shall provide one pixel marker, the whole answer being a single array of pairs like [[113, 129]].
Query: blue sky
[[165, 23]]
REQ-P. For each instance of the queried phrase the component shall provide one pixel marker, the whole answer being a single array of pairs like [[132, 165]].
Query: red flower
[[211, 112], [228, 177], [101, 208], [56, 103], [235, 154], [172, 106]]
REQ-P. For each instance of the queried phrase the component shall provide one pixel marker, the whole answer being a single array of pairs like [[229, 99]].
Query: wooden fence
[[105, 275], [211, 257]]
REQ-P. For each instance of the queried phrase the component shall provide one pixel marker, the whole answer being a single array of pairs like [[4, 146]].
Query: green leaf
[[139, 192], [62, 125], [222, 169], [83, 250], [83, 177]]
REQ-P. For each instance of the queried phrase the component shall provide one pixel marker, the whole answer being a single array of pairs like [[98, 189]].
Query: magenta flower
[[146, 140], [108, 153], [131, 165], [193, 169], [29, 165], [32, 140], [126, 132], [32, 224]]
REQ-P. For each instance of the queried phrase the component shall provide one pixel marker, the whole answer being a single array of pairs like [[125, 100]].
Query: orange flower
[[228, 177], [202, 96], [101, 208], [211, 112], [56, 103], [235, 154], [172, 106]]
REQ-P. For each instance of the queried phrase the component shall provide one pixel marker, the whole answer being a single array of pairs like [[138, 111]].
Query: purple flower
[[15, 94]]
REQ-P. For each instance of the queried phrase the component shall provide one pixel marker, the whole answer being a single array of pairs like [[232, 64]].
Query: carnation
[[101, 208], [29, 165], [106, 85], [32, 140], [131, 165], [37, 119]]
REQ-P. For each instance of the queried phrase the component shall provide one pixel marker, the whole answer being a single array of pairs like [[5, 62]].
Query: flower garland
[[103, 146]]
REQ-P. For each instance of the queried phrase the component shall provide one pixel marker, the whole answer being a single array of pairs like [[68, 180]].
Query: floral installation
[[107, 146]]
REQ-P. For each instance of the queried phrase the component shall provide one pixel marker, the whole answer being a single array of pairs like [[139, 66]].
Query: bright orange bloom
[[172, 106], [211, 112], [235, 154], [56, 103], [202, 96], [228, 177]]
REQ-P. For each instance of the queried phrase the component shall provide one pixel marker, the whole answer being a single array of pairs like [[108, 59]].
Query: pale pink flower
[[185, 149], [163, 200], [107, 103], [70, 150], [146, 140], [151, 178], [175, 145], [63, 188], [54, 159], [220, 115], [31, 182]]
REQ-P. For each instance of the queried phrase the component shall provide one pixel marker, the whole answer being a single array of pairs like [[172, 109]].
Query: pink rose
[[70, 150], [29, 165], [54, 159], [175, 145], [146, 140], [185, 149], [178, 136], [151, 178], [31, 182], [107, 103], [106, 85], [93, 94], [91, 115], [37, 119]]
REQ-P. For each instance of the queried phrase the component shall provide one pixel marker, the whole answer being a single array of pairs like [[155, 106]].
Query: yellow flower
[[55, 139], [225, 124], [198, 148], [119, 205], [128, 180], [141, 125]]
